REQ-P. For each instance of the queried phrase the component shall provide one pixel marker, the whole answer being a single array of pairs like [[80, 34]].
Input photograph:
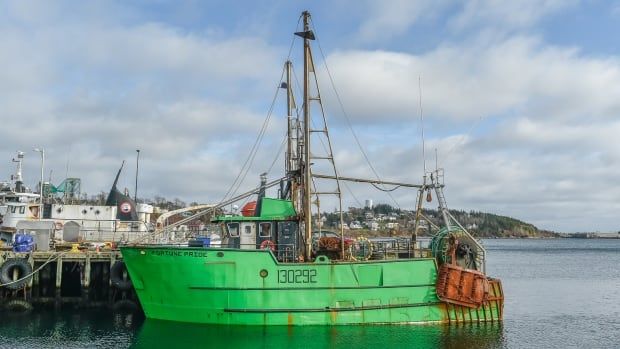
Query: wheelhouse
[[272, 224]]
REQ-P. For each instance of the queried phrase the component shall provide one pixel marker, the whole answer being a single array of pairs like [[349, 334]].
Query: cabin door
[[248, 236]]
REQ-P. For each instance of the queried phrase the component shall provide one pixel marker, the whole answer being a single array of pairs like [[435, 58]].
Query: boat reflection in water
[[168, 334]]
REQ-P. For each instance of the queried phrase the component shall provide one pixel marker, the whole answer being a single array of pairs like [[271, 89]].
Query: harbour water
[[562, 293]]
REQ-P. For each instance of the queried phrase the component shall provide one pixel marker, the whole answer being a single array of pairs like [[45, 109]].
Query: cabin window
[[248, 230], [233, 229], [13, 208], [22, 209], [264, 229]]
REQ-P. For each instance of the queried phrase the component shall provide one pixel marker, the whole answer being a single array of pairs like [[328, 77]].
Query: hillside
[[491, 225], [384, 220]]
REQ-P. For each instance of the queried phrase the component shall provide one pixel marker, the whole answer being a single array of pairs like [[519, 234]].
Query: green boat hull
[[250, 287]]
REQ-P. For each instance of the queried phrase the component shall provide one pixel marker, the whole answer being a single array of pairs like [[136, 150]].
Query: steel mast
[[307, 177]]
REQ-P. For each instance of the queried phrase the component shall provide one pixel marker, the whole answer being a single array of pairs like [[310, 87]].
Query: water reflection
[[94, 328], [155, 333]]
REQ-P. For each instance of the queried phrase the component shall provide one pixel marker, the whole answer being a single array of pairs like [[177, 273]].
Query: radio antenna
[[422, 123]]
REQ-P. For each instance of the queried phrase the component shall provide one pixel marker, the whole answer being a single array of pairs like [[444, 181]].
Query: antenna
[[67, 165], [422, 123]]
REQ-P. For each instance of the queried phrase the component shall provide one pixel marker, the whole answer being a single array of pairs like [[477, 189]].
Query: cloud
[[523, 127], [508, 14], [386, 19], [473, 80], [91, 92]]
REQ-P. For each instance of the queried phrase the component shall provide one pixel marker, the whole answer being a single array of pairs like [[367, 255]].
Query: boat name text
[[174, 253]]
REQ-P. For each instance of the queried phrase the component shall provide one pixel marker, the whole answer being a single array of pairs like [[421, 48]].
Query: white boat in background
[[121, 219]]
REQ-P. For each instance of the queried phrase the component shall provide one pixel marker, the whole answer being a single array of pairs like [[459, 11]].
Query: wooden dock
[[76, 278]]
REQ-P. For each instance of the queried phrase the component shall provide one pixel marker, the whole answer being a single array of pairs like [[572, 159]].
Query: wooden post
[[57, 292], [86, 280]]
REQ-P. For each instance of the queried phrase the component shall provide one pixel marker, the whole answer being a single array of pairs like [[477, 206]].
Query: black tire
[[125, 306], [18, 306], [6, 273], [120, 277]]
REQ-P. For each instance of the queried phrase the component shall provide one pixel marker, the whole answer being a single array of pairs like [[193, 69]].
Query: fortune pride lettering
[[177, 253]]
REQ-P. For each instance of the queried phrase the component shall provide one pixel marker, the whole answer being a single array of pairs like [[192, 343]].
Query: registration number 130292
[[297, 276]]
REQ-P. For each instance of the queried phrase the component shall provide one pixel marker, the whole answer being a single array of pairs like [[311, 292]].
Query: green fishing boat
[[270, 270]]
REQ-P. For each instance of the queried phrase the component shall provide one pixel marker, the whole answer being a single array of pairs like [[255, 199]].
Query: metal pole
[[289, 148], [371, 181], [42, 166], [307, 173], [135, 195], [42, 151]]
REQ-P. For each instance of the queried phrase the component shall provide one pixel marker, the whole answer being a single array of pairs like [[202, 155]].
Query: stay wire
[[347, 116], [250, 159], [325, 148], [277, 155], [385, 190], [462, 138], [352, 194], [253, 151]]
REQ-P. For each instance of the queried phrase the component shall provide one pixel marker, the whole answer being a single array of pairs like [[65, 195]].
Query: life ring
[[24, 273], [120, 277], [58, 225], [268, 244]]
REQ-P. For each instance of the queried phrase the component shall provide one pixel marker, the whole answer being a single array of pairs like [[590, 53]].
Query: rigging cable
[[347, 116], [253, 151], [462, 138], [359, 203], [385, 190], [326, 151], [422, 124], [278, 153], [245, 169]]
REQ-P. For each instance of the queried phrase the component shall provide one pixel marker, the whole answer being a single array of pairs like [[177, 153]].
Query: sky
[[520, 99]]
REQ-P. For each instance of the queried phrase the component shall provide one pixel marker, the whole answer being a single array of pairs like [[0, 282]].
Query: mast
[[19, 182], [306, 163], [307, 159], [441, 199], [289, 127], [293, 143]]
